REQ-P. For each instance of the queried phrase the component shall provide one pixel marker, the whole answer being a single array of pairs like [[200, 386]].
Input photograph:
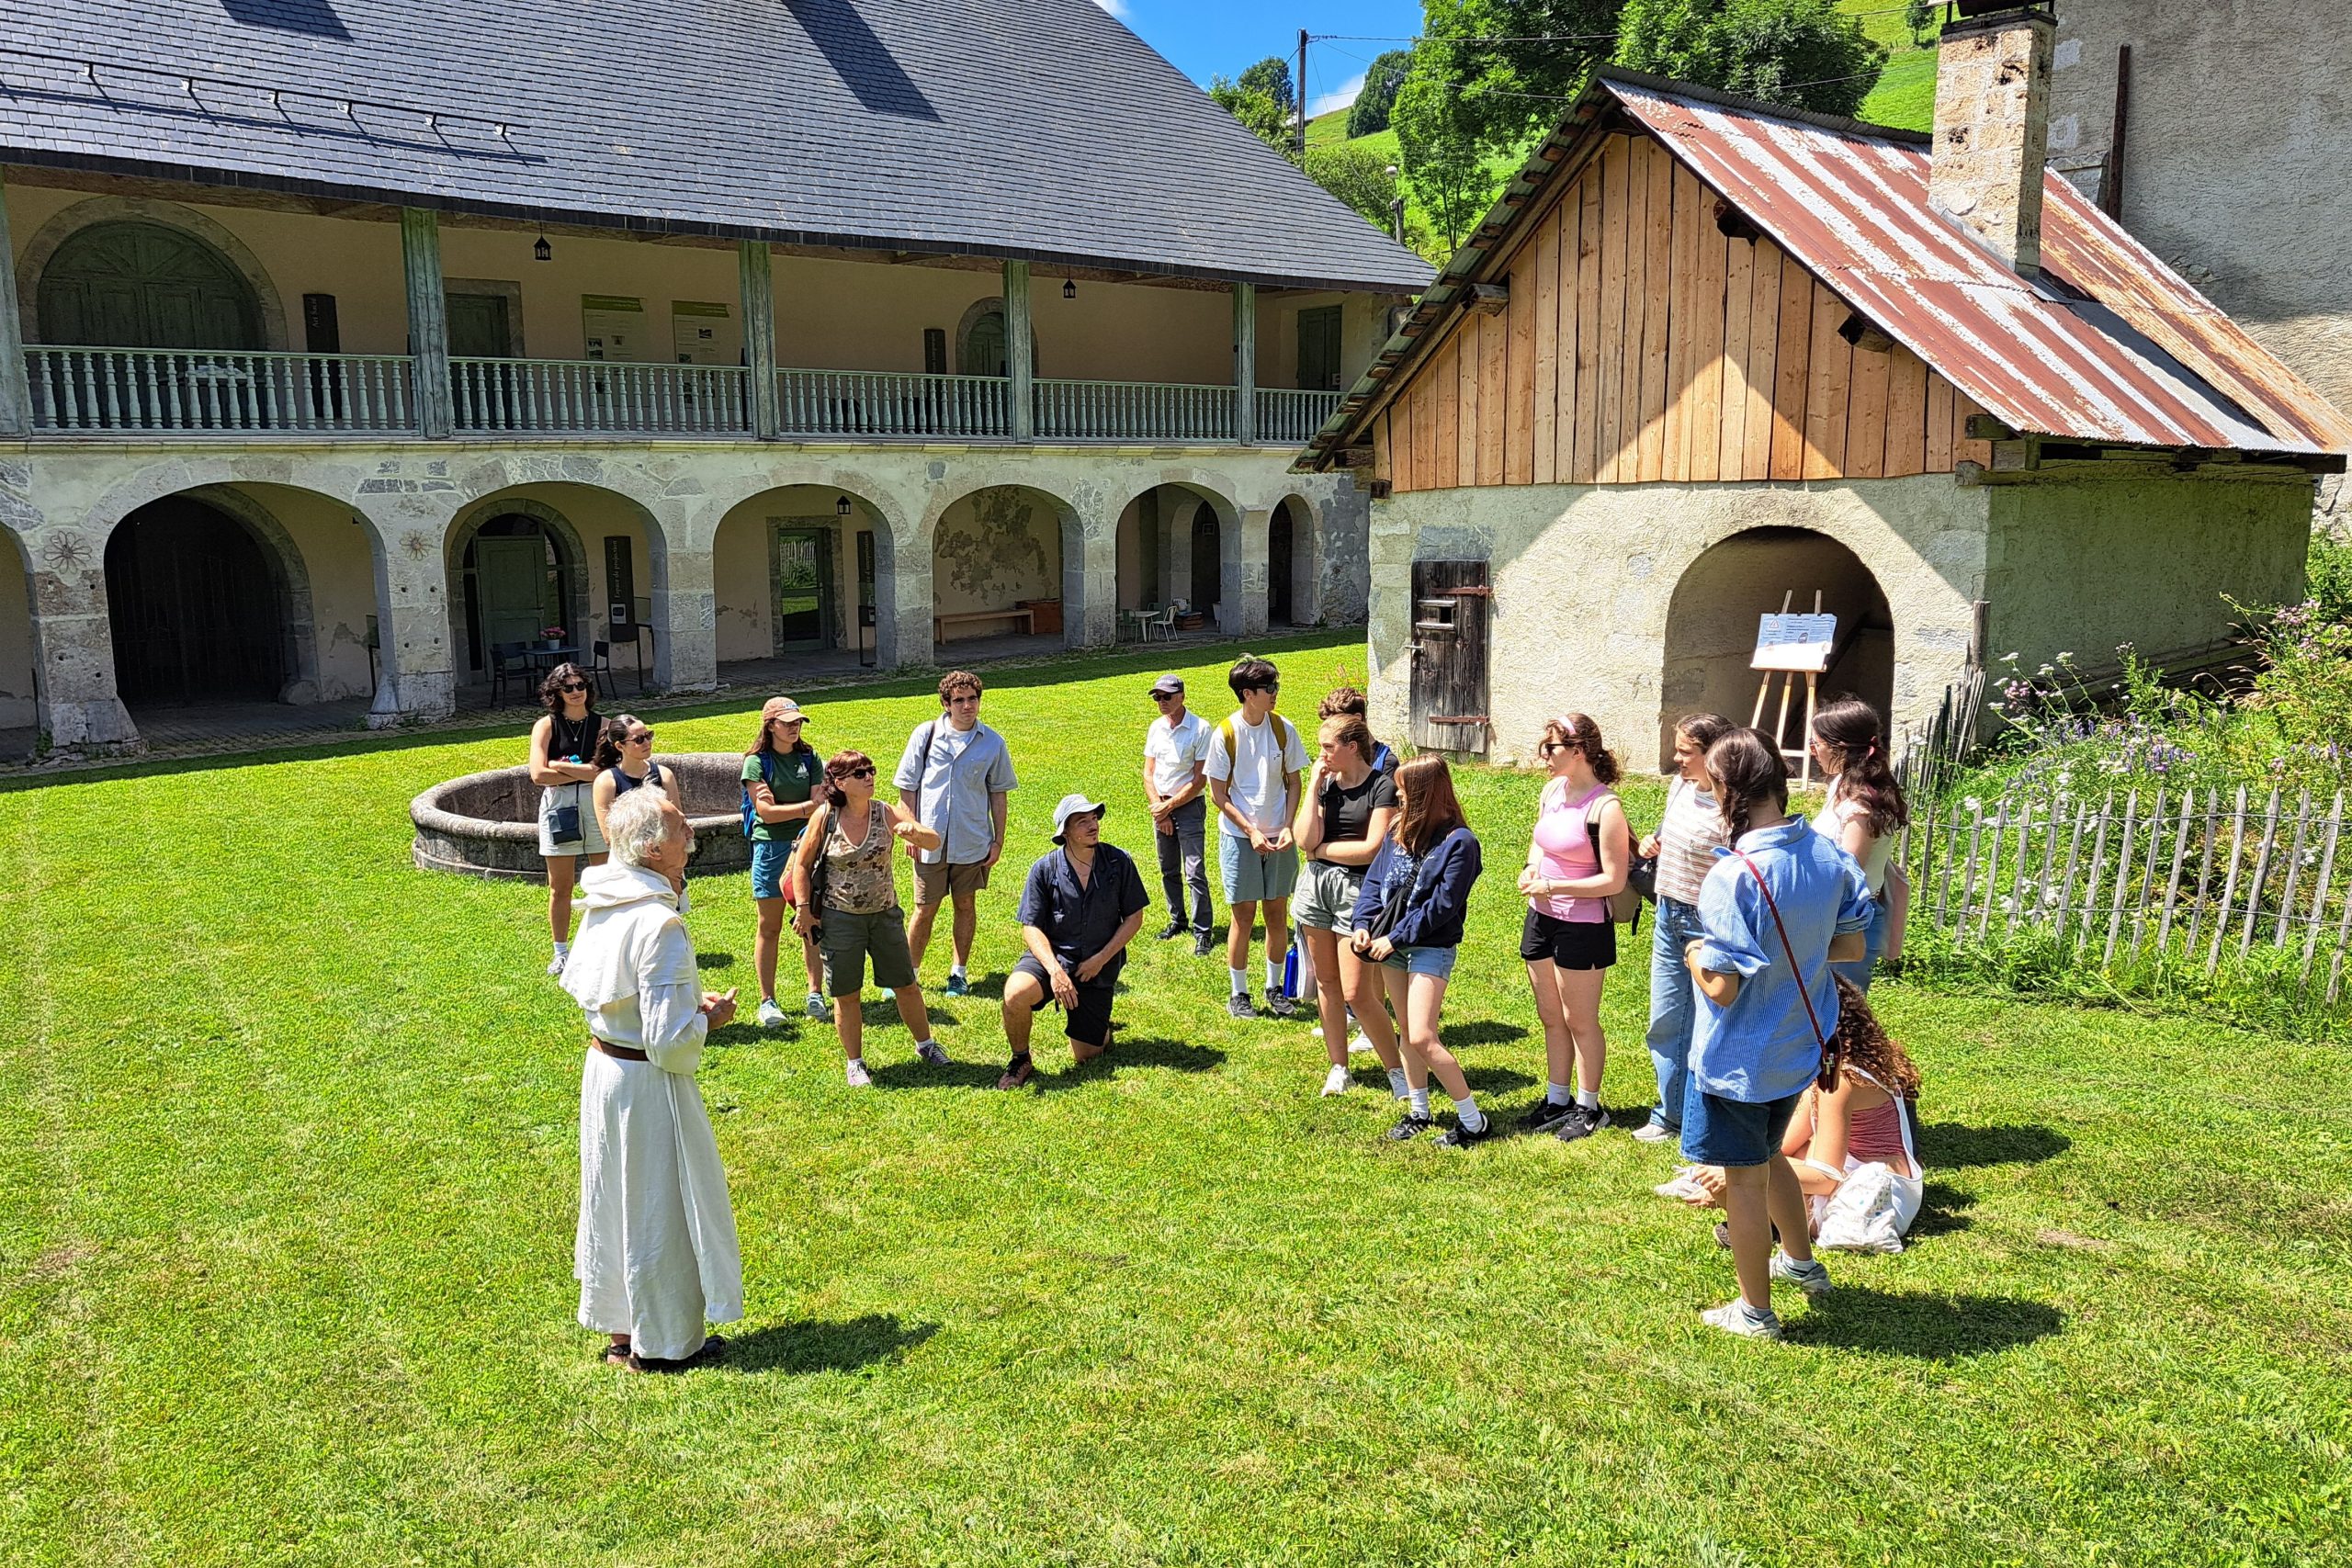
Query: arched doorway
[[1208, 562], [1294, 581], [134, 285], [998, 557], [1279, 531], [981, 339], [1712, 621], [197, 605], [521, 576]]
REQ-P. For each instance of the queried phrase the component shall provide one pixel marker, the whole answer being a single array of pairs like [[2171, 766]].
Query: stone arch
[[192, 616], [987, 544], [1711, 624], [776, 597], [19, 657], [472, 631], [1295, 563], [50, 236], [974, 316]]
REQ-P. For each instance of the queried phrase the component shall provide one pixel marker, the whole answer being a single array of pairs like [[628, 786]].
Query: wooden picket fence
[[2177, 880]]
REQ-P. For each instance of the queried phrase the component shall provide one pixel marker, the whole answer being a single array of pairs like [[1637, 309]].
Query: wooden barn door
[[1449, 693]]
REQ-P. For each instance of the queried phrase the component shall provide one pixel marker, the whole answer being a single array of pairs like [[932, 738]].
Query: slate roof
[[2107, 346], [1037, 129]]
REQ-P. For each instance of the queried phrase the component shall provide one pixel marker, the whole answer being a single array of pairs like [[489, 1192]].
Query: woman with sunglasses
[[1575, 865], [861, 920], [563, 751], [625, 756]]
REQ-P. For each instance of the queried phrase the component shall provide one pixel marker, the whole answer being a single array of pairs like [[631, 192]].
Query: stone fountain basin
[[488, 824]]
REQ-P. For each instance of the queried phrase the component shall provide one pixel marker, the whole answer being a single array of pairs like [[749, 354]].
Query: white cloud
[[1116, 8], [1338, 97]]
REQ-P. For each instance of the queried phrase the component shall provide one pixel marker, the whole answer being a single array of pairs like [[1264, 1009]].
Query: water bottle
[[1290, 968]]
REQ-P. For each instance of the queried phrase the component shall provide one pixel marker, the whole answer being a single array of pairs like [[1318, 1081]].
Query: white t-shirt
[[1256, 776], [1175, 750], [1830, 823]]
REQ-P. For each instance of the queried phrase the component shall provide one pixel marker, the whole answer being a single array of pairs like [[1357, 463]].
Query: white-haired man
[[656, 1254]]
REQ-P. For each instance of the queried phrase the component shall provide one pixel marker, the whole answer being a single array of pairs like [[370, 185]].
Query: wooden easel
[[1801, 759]]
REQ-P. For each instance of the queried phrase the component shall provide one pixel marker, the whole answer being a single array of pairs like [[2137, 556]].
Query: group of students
[[1766, 932]]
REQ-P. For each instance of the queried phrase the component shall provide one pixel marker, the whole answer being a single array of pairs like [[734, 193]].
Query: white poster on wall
[[702, 334], [614, 325], [1798, 643]]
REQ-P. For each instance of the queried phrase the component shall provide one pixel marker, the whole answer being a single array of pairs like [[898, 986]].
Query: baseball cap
[[1168, 683], [783, 708]]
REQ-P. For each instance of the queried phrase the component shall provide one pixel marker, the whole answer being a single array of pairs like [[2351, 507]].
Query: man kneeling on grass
[[655, 1254], [1082, 905]]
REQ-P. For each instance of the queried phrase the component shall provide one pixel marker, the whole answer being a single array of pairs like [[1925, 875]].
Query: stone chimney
[[1993, 126]]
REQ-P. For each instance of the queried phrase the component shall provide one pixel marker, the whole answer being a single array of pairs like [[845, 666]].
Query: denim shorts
[[1436, 961], [1250, 877], [1716, 1131], [771, 858]]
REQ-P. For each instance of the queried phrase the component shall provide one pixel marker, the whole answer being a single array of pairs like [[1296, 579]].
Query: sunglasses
[[572, 686], [1165, 697], [859, 774], [642, 738]]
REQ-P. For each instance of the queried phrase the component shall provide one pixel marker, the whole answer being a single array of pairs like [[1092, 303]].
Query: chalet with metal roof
[[1710, 360], [738, 341]]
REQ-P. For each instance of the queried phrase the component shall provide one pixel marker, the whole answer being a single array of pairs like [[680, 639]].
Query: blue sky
[[1211, 38]]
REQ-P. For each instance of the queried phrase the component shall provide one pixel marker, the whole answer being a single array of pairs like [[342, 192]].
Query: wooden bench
[[1024, 617]]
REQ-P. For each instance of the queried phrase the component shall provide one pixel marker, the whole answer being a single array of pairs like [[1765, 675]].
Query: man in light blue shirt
[[954, 777]]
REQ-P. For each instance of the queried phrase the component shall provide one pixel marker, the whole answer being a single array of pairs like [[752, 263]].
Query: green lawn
[[288, 1134]]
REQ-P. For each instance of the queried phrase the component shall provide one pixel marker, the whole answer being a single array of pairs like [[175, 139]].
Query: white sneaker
[[857, 1076], [1336, 1081], [1652, 1133], [1811, 1278], [931, 1051], [1683, 1185], [770, 1015], [555, 965], [1732, 1317], [1358, 1045], [818, 1008]]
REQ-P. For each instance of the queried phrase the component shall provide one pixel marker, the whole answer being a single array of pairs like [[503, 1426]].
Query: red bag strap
[[1829, 1051]]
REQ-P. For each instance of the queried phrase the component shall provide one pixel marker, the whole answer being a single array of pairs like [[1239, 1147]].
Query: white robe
[[656, 1254]]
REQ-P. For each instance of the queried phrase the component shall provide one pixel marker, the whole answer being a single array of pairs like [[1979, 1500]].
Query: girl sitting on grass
[[1408, 917], [1774, 913]]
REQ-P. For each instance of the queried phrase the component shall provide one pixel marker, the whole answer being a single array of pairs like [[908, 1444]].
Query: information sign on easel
[[1788, 645]]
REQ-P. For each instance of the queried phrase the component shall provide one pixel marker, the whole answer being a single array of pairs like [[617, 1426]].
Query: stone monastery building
[[1709, 356], [345, 352]]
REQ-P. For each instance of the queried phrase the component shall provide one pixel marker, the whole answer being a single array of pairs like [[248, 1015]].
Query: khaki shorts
[[935, 879]]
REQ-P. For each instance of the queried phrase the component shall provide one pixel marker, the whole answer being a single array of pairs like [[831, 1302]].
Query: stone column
[[758, 282], [66, 586], [1090, 583], [416, 665], [1019, 368], [1241, 600], [428, 320], [685, 619], [15, 388], [902, 600], [1244, 363], [1174, 538]]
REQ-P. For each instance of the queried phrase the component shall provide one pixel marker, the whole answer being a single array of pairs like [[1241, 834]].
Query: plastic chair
[[1166, 622]]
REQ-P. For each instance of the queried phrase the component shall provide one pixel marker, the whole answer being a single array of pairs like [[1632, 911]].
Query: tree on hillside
[[1272, 77], [1357, 175], [1256, 110], [1369, 114], [1919, 16], [1803, 54], [1440, 157]]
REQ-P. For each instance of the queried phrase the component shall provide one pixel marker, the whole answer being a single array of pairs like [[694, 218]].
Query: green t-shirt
[[792, 778]]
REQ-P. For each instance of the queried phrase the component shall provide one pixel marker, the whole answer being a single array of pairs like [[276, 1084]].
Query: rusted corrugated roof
[[2107, 346]]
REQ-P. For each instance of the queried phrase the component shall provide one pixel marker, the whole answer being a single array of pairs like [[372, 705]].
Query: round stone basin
[[488, 824]]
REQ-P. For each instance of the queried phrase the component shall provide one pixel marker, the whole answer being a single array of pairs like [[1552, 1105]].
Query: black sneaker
[[1174, 930], [1204, 943], [1545, 1113], [1411, 1126], [1460, 1137], [1280, 1006], [1021, 1070], [1581, 1121], [1238, 1006]]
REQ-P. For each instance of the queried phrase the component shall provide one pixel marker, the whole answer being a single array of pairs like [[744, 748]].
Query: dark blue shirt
[[1080, 923]]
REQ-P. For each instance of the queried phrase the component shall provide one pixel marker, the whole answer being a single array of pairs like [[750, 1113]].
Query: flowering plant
[[553, 634]]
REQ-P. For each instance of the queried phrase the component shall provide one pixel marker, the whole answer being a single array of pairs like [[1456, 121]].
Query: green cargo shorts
[[848, 942]]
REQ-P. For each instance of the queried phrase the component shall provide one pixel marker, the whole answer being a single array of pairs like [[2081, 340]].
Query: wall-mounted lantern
[[543, 251], [840, 507], [1069, 288]]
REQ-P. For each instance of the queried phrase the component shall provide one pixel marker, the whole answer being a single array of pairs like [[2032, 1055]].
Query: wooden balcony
[[215, 393]]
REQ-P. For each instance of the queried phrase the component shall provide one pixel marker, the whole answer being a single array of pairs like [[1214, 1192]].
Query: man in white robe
[[656, 1254]]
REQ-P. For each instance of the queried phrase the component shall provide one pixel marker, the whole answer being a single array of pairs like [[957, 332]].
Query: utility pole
[[1299, 139]]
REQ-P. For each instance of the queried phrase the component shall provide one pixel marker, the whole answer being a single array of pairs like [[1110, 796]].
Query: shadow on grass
[[714, 961], [1949, 1145], [1487, 1080], [1126, 1054], [797, 1348], [1930, 1326], [1485, 1032], [914, 1072], [1941, 1206]]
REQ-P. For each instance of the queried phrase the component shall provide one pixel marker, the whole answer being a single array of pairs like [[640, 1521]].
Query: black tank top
[[622, 784]]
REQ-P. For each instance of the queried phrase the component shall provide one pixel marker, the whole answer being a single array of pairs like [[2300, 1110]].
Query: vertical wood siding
[[1641, 343]]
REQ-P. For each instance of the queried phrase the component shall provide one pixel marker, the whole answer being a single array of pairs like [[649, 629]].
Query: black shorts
[[1090, 1021], [1570, 944]]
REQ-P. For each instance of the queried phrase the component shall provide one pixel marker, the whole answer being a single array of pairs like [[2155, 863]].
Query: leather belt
[[626, 1052]]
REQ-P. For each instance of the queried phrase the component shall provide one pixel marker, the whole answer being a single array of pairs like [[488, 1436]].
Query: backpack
[[1625, 904], [751, 816], [1285, 735]]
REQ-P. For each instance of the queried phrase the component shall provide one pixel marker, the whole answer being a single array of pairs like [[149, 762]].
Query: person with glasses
[[955, 776], [563, 752], [1576, 862], [780, 775], [855, 907], [1254, 763], [1175, 752], [625, 756]]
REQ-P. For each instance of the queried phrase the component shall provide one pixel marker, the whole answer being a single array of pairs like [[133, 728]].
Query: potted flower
[[551, 639]]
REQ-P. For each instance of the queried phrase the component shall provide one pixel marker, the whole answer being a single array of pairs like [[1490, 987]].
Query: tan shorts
[[935, 879]]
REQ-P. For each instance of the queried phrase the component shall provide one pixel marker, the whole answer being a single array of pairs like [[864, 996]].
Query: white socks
[[563, 950], [1473, 1119], [1240, 980], [1557, 1094], [1419, 1098], [1589, 1098], [1398, 1087], [954, 971], [1274, 973]]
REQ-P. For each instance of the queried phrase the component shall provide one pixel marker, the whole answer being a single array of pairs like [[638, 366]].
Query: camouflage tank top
[[857, 875]]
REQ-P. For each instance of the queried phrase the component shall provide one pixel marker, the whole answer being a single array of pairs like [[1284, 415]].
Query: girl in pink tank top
[[1568, 941]]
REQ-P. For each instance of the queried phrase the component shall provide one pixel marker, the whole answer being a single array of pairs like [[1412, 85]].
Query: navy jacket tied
[[1437, 903]]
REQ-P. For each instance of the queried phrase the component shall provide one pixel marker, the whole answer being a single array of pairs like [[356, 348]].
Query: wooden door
[[512, 576], [144, 286], [479, 328], [1449, 711], [194, 606], [803, 589], [1318, 349]]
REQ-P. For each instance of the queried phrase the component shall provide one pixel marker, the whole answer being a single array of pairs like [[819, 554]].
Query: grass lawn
[[290, 1128]]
